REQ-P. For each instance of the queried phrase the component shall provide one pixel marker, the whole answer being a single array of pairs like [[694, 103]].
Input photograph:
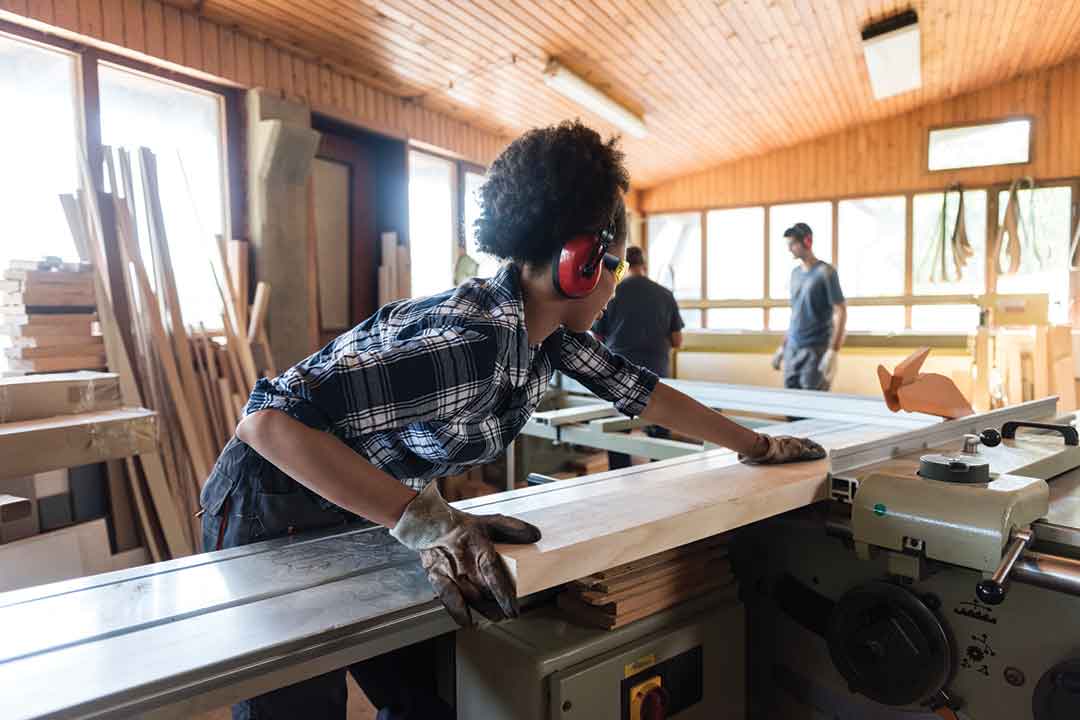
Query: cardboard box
[[35, 446], [75, 551], [42, 396], [16, 518], [18, 509]]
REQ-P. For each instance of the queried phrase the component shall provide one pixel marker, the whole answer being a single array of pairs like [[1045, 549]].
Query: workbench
[[175, 638]]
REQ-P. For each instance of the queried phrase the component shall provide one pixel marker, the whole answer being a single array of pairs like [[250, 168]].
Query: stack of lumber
[[194, 378], [395, 279], [47, 309], [612, 598]]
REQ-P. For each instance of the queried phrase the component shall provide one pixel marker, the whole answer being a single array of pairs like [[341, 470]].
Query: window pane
[[431, 223], [489, 264], [736, 318], [779, 318], [675, 253], [945, 318], [39, 129], [176, 121], [1044, 240], [871, 246], [875, 318], [819, 217], [691, 318], [998, 143], [928, 276], [736, 257]]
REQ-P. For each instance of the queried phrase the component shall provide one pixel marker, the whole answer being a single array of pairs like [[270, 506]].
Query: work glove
[[778, 358], [457, 550], [827, 365], [785, 449]]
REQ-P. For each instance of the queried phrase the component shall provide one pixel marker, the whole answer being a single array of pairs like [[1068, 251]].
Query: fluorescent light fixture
[[893, 52], [589, 97]]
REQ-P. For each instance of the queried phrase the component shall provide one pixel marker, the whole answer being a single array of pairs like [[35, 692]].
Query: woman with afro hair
[[428, 387]]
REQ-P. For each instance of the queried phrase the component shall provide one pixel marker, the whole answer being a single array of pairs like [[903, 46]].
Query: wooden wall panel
[[164, 35], [890, 155]]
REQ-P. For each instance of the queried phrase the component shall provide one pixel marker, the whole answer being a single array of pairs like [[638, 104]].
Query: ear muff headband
[[575, 269]]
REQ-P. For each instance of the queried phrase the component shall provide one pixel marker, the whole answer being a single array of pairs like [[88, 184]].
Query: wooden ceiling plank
[[689, 132], [694, 21]]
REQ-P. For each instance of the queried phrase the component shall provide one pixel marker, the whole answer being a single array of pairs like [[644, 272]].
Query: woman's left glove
[[457, 550]]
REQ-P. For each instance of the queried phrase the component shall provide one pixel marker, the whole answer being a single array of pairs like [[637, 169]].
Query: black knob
[[990, 592], [990, 437]]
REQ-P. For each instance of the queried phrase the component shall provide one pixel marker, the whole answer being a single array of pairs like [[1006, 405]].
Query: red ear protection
[[575, 269]]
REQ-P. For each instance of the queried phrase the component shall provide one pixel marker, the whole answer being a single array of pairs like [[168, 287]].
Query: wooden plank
[[33, 446], [93, 348], [646, 513]]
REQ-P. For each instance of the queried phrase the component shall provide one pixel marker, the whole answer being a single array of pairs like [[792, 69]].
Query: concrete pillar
[[281, 146]]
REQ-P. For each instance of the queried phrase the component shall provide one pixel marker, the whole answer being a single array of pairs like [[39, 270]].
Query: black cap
[[800, 230], [635, 256]]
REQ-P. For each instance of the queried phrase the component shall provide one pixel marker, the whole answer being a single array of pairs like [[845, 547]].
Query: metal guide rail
[[175, 638]]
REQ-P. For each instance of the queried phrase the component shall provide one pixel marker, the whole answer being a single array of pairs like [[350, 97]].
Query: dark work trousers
[[618, 460], [247, 500], [801, 368]]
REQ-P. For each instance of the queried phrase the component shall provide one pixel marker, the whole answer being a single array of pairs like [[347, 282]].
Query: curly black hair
[[547, 186]]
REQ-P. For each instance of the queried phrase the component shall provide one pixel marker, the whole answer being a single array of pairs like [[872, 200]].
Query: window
[[999, 143], [489, 264], [735, 319], [819, 217], [176, 121], [875, 318], [735, 256], [39, 132], [432, 188], [871, 239], [1045, 219], [675, 253], [929, 277], [691, 318], [945, 318]]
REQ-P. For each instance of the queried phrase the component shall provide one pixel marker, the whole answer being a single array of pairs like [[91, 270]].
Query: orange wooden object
[[907, 389]]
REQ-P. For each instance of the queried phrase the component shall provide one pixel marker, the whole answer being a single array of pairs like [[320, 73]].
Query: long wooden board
[[588, 527]]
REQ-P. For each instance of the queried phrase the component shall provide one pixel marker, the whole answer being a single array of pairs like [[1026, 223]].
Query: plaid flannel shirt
[[426, 388]]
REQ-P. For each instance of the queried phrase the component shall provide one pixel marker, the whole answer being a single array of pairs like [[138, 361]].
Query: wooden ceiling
[[715, 79]]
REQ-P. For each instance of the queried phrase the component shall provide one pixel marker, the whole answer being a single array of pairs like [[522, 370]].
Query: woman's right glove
[[785, 449], [457, 550]]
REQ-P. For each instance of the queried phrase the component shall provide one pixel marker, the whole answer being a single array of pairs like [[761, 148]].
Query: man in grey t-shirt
[[818, 317], [642, 323]]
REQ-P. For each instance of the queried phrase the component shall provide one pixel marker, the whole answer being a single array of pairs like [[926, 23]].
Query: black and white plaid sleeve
[[435, 374], [611, 377]]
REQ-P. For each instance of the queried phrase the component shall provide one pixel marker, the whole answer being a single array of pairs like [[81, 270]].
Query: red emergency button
[[654, 704]]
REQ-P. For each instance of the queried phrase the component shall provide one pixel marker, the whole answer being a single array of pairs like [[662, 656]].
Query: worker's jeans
[[247, 500], [801, 368]]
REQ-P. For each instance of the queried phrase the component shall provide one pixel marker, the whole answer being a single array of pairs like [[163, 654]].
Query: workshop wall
[[169, 37], [890, 155]]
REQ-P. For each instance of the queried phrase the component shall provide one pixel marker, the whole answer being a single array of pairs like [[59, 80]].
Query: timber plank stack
[[47, 309], [613, 598]]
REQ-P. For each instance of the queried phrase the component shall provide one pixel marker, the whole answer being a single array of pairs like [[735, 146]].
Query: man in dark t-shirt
[[642, 323]]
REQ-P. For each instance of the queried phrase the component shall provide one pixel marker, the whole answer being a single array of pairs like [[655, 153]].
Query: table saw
[[171, 639]]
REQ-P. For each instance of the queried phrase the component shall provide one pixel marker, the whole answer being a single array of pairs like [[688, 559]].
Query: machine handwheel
[[1057, 696], [889, 645]]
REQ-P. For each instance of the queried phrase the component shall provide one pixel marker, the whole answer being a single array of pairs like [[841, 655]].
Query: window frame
[[908, 299], [1031, 119], [89, 104]]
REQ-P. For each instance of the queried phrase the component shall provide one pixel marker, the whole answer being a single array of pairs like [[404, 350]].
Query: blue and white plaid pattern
[[426, 388]]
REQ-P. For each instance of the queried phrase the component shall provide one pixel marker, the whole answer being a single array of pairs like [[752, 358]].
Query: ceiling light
[[589, 97], [893, 53]]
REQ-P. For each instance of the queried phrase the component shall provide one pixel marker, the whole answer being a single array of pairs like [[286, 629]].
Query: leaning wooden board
[[612, 518]]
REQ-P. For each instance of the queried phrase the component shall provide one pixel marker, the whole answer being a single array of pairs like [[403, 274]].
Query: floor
[[359, 707]]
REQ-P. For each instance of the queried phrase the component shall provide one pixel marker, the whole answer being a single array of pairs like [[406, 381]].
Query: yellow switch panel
[[638, 693]]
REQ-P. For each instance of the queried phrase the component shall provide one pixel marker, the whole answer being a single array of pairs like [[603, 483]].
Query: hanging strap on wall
[[1008, 234], [959, 243]]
